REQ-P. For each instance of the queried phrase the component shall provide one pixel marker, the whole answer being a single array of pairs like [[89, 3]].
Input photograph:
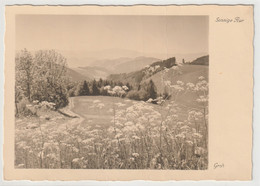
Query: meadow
[[115, 133]]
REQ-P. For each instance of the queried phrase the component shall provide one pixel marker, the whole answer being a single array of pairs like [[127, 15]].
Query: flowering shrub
[[116, 91]]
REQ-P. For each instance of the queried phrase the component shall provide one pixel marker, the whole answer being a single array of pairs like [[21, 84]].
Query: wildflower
[[136, 155], [167, 83], [201, 78], [98, 144], [189, 142], [75, 149], [181, 135], [185, 127], [180, 83], [122, 139], [75, 160], [125, 87], [199, 150], [119, 135], [136, 137], [190, 86], [202, 99], [40, 154], [175, 116], [180, 123], [197, 135], [140, 126], [149, 100], [35, 101]]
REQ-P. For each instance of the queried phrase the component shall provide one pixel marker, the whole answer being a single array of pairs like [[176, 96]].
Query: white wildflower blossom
[[189, 142], [136, 137], [185, 127], [180, 83], [125, 87], [136, 155], [177, 88], [199, 150], [201, 78], [75, 149], [149, 100], [35, 101], [75, 160], [181, 135], [197, 135], [202, 99]]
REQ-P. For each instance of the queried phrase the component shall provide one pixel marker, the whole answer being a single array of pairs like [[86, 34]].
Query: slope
[[75, 76], [189, 73]]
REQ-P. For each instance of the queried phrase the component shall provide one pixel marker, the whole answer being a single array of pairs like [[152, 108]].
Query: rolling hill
[[134, 64], [204, 60], [136, 77], [189, 73], [93, 72], [75, 76]]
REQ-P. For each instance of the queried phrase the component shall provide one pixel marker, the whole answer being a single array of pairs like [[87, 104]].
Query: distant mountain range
[[75, 76], [92, 72], [103, 68], [82, 58], [122, 68]]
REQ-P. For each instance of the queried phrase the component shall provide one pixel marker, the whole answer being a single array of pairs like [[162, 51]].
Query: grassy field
[[95, 116], [108, 132]]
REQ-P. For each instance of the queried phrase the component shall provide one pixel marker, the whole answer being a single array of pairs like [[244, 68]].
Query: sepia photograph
[[124, 93], [111, 92]]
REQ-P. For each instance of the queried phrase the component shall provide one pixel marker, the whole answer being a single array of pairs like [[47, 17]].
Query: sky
[[148, 35]]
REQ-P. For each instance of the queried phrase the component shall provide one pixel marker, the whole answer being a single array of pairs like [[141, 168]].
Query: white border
[[256, 113]]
